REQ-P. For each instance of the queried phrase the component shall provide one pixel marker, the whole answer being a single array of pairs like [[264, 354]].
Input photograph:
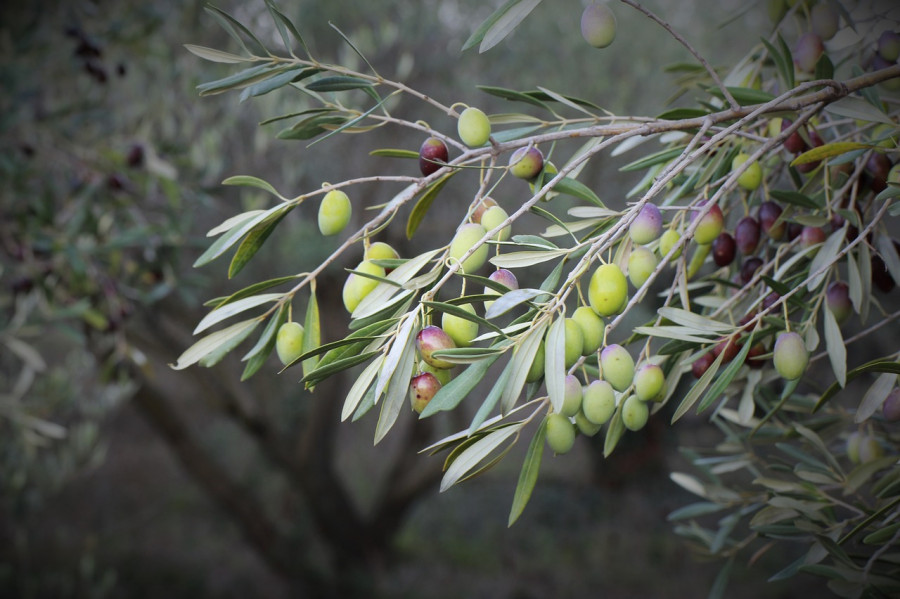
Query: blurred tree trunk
[[359, 544]]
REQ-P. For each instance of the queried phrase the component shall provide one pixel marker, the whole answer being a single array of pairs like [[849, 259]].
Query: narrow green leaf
[[238, 80], [827, 151], [677, 114], [875, 396], [725, 378], [312, 332], [403, 338], [353, 46], [362, 384], [554, 363], [490, 402], [233, 235], [788, 61], [858, 109], [523, 356], [234, 308], [254, 241], [888, 253], [614, 431], [249, 181], [784, 69], [826, 255], [515, 96], [653, 159], [337, 83], [579, 190], [272, 83], [215, 55], [216, 355], [879, 365], [229, 23], [394, 153], [506, 23], [468, 355], [424, 203], [478, 35], [251, 290], [795, 198], [834, 344], [311, 127], [475, 454], [699, 387], [457, 311], [526, 258], [528, 476], [397, 389], [720, 584], [258, 355], [323, 371], [510, 300], [449, 396], [212, 342], [290, 27]]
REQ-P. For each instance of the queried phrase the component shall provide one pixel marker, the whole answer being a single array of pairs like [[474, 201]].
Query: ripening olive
[[647, 225], [598, 25], [572, 402], [432, 339], [422, 388], [807, 51], [431, 155], [526, 163], [710, 224], [505, 278]]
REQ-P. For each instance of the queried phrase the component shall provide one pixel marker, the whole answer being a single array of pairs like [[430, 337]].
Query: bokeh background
[[122, 478]]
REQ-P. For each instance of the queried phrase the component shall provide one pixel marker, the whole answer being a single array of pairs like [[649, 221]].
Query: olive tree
[[758, 237]]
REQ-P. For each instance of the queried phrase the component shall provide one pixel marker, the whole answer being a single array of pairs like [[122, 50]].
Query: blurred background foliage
[[121, 478]]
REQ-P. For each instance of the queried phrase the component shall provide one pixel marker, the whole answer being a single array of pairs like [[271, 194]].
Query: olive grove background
[[122, 478]]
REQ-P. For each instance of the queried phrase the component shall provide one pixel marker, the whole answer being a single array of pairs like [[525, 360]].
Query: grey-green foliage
[[684, 161]]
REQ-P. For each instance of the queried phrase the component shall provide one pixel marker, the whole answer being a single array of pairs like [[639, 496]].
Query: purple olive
[[723, 249], [769, 212], [749, 268], [837, 298], [432, 152], [746, 235]]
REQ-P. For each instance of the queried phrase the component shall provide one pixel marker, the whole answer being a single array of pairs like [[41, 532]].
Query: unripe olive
[[443, 375], [854, 440], [889, 45], [647, 225], [869, 449], [790, 356], [608, 290], [635, 413], [422, 389], [572, 403], [807, 51], [492, 218], [468, 235], [504, 277], [641, 264], [587, 428], [823, 20], [481, 208], [358, 287], [710, 224], [668, 240], [894, 174], [649, 382], [598, 402], [751, 178], [776, 9], [473, 127], [289, 342], [381, 251], [891, 406], [617, 366], [461, 330], [432, 153], [536, 371], [334, 212], [574, 342], [591, 329], [598, 25], [432, 339], [526, 163], [560, 433]]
